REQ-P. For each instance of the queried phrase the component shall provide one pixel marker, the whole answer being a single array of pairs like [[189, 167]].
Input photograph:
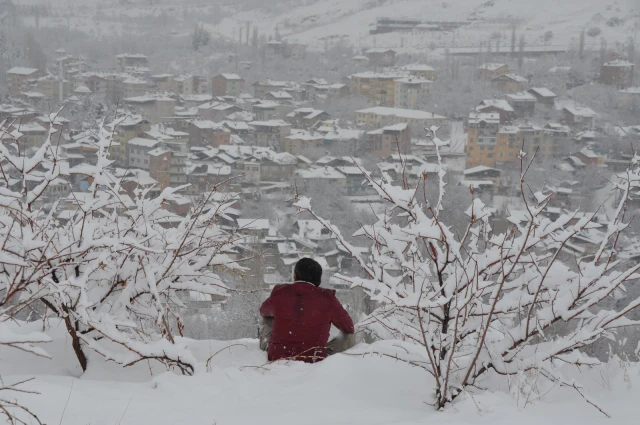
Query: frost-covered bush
[[479, 302], [114, 270]]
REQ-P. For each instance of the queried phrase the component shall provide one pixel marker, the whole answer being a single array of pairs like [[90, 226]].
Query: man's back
[[303, 314]]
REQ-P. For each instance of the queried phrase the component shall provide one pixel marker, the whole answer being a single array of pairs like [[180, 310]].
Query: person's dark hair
[[308, 270]]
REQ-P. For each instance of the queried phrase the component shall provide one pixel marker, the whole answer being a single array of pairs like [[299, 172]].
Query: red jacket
[[302, 317]]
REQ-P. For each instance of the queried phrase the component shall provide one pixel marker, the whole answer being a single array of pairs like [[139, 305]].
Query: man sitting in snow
[[297, 318]]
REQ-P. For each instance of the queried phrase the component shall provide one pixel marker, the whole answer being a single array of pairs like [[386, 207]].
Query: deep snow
[[241, 389]]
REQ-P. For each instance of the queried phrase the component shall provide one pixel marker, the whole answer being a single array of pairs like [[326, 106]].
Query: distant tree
[[581, 45], [603, 51], [278, 36], [631, 50], [521, 44], [254, 38], [33, 52], [164, 18], [548, 36], [200, 37], [9, 52], [513, 40], [594, 32]]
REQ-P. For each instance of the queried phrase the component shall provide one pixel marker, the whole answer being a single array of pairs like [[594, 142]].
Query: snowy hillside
[[352, 20], [324, 22], [240, 389]]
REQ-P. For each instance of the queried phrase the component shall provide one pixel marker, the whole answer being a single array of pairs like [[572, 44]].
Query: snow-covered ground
[[240, 388], [322, 22], [352, 20]]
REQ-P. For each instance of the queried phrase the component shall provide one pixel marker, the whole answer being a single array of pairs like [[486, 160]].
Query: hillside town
[[288, 212], [259, 139]]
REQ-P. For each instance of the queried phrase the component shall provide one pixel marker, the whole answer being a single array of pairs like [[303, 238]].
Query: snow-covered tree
[[113, 271], [479, 302], [200, 37]]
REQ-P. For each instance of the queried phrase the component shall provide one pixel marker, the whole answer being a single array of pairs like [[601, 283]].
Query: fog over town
[[464, 175]]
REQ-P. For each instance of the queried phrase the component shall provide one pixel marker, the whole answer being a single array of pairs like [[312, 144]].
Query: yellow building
[[508, 145], [303, 143], [482, 129], [381, 116], [380, 88]]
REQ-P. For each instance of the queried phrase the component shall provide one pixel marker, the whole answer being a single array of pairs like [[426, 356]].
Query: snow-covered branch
[[115, 270], [487, 302]]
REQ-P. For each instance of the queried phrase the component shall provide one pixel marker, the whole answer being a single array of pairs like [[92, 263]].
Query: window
[[490, 155]]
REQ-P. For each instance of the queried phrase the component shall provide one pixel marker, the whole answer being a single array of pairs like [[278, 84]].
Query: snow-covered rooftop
[[495, 103], [401, 113], [22, 71], [542, 92]]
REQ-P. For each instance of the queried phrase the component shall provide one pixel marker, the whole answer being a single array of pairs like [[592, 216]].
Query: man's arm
[[266, 309], [342, 321], [340, 318], [265, 329], [266, 323]]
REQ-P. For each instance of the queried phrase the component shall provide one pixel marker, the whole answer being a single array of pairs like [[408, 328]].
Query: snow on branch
[[484, 302], [115, 271]]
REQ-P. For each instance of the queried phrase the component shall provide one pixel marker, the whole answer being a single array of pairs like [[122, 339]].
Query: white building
[[138, 152]]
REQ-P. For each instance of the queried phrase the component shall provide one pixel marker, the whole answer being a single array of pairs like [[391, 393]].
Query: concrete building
[[380, 116], [227, 85], [419, 70], [163, 82], [545, 98], [378, 87], [306, 118], [138, 152], [134, 87], [578, 116], [21, 80], [410, 91], [270, 133], [379, 57], [131, 60], [617, 73], [160, 166], [386, 141], [303, 143], [523, 103], [499, 106], [510, 83], [260, 88], [155, 107], [207, 133], [482, 129], [487, 71], [188, 85]]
